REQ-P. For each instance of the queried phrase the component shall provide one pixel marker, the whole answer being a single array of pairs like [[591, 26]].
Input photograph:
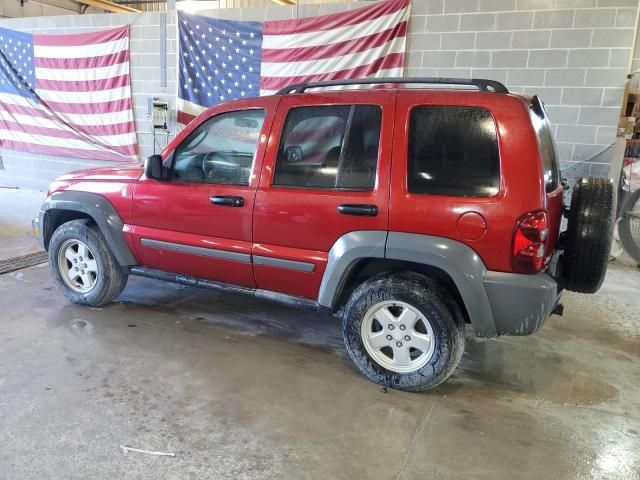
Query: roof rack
[[482, 84]]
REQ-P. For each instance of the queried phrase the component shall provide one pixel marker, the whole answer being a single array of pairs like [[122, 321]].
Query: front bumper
[[37, 225], [520, 303]]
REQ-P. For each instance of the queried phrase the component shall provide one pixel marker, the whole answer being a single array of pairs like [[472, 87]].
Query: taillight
[[529, 243]]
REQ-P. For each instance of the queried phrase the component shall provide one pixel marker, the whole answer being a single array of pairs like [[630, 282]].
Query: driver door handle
[[358, 209], [227, 201]]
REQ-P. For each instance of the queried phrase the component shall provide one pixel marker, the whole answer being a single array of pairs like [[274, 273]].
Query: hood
[[114, 174]]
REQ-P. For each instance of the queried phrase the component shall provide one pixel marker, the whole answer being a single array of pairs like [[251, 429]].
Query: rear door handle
[[358, 209], [227, 201]]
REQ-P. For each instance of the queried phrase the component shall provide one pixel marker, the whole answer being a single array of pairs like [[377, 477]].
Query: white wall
[[575, 54]]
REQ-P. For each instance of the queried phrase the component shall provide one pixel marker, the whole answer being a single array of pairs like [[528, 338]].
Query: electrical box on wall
[[160, 121], [158, 112]]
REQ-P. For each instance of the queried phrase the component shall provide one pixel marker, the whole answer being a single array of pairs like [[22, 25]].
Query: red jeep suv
[[409, 207]]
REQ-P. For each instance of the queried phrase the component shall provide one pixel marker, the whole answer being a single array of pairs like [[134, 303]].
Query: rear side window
[[453, 151], [329, 147], [547, 147]]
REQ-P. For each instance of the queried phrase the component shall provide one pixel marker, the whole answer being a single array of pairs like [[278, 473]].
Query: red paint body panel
[[303, 284], [301, 224], [521, 186], [308, 219], [189, 264], [169, 210]]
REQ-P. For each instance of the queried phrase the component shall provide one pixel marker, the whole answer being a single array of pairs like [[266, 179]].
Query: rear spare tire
[[589, 234]]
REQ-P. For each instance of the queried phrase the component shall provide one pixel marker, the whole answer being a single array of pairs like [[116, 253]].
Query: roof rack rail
[[482, 84]]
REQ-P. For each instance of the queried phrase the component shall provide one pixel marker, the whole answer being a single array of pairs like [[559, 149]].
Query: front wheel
[[404, 331], [82, 265]]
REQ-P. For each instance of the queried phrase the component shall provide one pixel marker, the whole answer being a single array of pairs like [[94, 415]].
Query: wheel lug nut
[[407, 338], [75, 260], [389, 337], [76, 269], [391, 327], [402, 327], [85, 265], [398, 344], [82, 272]]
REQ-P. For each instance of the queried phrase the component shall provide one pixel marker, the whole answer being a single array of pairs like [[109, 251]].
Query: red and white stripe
[[85, 109], [365, 42]]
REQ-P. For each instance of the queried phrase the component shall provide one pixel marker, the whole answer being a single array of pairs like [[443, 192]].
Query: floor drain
[[17, 263]]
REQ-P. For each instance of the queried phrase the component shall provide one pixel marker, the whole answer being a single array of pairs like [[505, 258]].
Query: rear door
[[326, 174], [198, 223]]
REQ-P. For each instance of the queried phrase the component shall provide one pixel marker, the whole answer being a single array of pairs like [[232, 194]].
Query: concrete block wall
[[575, 54]]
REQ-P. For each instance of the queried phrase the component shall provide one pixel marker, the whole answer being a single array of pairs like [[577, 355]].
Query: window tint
[[329, 147], [221, 150], [547, 147], [453, 151]]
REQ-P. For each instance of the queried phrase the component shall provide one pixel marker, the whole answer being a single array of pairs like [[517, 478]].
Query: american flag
[[67, 95], [222, 60]]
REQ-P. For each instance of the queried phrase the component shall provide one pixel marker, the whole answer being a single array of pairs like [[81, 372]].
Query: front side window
[[329, 147], [221, 150], [453, 151]]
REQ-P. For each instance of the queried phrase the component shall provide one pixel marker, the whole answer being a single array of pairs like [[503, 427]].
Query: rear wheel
[[404, 331], [82, 265], [589, 234]]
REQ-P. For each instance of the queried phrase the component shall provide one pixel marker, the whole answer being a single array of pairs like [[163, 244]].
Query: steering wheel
[[213, 165]]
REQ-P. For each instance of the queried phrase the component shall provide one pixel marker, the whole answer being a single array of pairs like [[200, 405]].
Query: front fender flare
[[100, 210]]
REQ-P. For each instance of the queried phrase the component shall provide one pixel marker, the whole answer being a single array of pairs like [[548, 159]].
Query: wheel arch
[[366, 268], [356, 255], [62, 207]]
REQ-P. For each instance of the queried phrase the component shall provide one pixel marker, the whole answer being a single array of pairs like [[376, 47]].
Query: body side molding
[[100, 210], [194, 250]]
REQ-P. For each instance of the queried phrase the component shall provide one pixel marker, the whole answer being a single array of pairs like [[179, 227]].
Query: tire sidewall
[[81, 231], [436, 312]]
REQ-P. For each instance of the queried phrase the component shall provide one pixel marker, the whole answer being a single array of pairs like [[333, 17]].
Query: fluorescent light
[[192, 6]]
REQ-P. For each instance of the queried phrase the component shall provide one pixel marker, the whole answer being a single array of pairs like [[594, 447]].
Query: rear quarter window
[[541, 125], [453, 150]]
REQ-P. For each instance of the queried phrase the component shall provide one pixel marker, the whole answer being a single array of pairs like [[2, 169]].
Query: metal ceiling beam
[[284, 2], [109, 6]]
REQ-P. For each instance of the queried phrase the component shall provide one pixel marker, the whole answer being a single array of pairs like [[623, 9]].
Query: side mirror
[[153, 167], [293, 154]]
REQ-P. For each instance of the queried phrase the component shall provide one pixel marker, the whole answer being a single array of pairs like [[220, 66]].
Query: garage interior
[[242, 388]]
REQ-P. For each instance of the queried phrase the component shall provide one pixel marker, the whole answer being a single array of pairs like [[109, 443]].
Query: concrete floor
[[17, 208], [244, 389]]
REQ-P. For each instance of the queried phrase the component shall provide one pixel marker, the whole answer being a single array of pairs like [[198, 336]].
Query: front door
[[198, 222], [326, 174]]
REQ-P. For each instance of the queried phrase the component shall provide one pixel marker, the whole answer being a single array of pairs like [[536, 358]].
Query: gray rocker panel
[[102, 212]]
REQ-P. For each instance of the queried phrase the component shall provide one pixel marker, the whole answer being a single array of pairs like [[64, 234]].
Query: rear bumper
[[520, 303]]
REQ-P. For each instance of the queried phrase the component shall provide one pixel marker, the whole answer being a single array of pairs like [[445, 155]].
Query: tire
[[399, 292], [589, 234], [104, 284], [629, 226]]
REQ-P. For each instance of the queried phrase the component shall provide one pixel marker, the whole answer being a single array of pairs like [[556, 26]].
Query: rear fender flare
[[460, 262]]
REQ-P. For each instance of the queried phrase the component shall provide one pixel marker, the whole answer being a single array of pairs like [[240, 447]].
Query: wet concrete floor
[[243, 389]]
